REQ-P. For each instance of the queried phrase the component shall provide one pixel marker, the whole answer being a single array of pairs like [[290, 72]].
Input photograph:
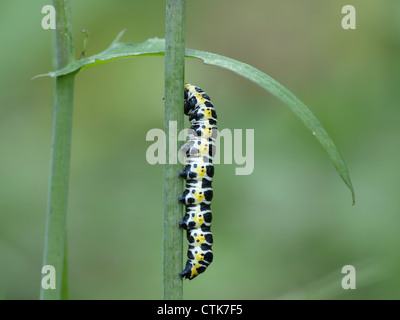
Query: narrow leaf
[[115, 51], [279, 91], [156, 46]]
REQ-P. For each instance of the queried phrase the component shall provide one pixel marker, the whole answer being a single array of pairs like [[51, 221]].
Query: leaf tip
[[119, 36], [51, 74]]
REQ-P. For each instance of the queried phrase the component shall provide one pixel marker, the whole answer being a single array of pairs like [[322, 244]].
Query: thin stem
[[55, 236], [64, 284], [173, 117]]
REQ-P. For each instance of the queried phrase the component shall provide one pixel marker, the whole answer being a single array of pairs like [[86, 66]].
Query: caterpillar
[[198, 173]]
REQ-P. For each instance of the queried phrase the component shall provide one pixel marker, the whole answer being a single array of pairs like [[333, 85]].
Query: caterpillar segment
[[200, 236], [197, 192], [205, 130], [196, 169], [196, 216], [198, 260], [198, 173], [199, 147]]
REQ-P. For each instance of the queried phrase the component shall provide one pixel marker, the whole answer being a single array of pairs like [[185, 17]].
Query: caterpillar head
[[190, 87]]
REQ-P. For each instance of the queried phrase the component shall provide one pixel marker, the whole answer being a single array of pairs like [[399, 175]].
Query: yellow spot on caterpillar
[[200, 98], [207, 113], [199, 196], [198, 218], [190, 87], [207, 132], [200, 171], [203, 147], [194, 271], [199, 238], [199, 257]]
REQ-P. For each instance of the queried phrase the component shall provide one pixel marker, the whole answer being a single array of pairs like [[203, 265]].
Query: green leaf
[[156, 46], [114, 51], [294, 104]]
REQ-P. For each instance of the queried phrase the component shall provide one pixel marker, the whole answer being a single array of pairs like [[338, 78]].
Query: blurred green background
[[285, 231]]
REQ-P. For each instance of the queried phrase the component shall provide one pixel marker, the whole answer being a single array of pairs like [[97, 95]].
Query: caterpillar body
[[198, 173]]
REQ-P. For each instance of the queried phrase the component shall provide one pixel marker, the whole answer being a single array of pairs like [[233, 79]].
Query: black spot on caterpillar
[[198, 173]]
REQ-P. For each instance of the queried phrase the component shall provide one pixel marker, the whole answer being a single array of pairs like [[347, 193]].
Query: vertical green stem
[[55, 236], [173, 186], [64, 284]]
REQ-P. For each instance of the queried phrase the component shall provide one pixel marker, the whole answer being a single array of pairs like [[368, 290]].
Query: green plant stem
[[64, 284], [173, 186], [56, 235]]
